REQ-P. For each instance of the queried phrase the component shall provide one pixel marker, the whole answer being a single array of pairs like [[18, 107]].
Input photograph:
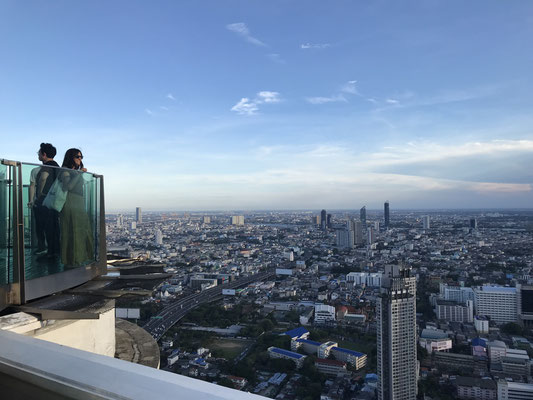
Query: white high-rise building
[[425, 222], [370, 235], [237, 220], [499, 303], [158, 237], [138, 215], [396, 335]]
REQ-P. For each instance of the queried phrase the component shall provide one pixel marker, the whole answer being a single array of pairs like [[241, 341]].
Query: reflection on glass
[[62, 234], [77, 240]]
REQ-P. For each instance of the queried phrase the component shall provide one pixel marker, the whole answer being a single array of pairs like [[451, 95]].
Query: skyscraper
[[138, 215], [425, 222], [323, 219], [396, 335], [362, 216], [358, 233], [387, 214]]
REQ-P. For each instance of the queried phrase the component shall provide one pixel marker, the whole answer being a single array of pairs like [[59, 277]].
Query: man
[[46, 220]]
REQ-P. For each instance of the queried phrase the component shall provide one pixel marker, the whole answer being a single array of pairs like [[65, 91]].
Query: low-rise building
[[276, 352], [330, 367], [475, 388], [324, 313], [455, 312], [355, 358], [514, 390], [435, 340]]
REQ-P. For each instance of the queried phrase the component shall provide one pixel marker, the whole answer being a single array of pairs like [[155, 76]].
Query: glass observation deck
[[44, 247]]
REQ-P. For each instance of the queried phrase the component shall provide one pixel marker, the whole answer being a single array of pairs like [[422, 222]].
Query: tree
[[512, 328]]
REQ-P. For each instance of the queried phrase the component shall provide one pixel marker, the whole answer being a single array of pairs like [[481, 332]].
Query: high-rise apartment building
[[362, 216], [370, 236], [473, 223], [237, 220], [158, 240], [345, 237], [425, 222], [396, 335], [358, 233], [499, 303], [138, 215], [387, 214]]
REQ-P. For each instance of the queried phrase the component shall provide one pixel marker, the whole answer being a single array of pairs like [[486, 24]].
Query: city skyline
[[237, 106]]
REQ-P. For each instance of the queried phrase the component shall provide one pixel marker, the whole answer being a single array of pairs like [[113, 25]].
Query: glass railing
[[52, 222]]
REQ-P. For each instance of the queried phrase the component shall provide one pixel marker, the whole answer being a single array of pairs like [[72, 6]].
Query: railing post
[[102, 239], [18, 285]]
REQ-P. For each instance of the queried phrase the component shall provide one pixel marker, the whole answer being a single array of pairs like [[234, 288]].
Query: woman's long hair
[[68, 161]]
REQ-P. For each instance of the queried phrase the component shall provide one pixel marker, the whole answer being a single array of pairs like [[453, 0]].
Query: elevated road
[[172, 313]]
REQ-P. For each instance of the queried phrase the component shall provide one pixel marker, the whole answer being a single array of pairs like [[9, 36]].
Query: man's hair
[[48, 149]]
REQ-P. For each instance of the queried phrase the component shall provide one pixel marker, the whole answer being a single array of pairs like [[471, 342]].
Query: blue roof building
[[297, 333], [276, 352]]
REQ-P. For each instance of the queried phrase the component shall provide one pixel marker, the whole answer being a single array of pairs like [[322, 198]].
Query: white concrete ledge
[[83, 375]]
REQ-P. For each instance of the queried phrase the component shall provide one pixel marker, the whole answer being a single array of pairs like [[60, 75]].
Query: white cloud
[[163, 108], [349, 87], [305, 46], [245, 107], [148, 111], [241, 29], [392, 101], [250, 107], [323, 100], [268, 97], [171, 97]]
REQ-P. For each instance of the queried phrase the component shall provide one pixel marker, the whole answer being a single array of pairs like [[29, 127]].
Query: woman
[[77, 246]]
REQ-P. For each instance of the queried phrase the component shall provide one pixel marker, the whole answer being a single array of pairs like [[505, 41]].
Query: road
[[158, 325]]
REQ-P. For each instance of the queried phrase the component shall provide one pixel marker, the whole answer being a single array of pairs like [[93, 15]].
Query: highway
[[158, 325]]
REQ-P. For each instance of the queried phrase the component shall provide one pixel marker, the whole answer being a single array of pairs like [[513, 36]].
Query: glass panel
[[61, 229], [6, 212]]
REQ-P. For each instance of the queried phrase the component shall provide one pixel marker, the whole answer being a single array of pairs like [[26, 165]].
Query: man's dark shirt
[[52, 172]]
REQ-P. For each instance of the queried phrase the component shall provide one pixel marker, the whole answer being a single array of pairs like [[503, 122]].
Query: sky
[[278, 104]]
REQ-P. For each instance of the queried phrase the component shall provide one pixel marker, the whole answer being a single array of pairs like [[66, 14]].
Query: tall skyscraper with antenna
[[387, 214]]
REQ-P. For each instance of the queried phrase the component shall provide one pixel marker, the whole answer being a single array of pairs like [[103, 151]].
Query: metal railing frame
[[16, 291]]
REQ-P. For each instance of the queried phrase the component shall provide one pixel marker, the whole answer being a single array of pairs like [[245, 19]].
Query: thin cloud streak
[[306, 46], [324, 100], [242, 30]]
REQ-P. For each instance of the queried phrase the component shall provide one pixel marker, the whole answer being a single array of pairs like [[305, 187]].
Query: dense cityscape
[[360, 304]]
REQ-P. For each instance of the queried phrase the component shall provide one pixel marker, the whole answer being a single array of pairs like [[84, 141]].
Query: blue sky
[[209, 105]]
